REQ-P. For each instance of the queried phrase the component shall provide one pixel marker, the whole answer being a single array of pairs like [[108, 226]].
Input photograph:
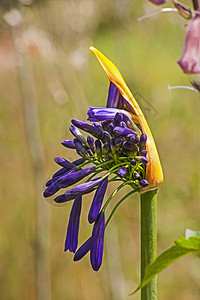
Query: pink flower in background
[[158, 2], [189, 61]]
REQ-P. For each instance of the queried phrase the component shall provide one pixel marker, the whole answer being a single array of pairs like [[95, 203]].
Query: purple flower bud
[[83, 250], [91, 143], [132, 139], [110, 128], [112, 146], [142, 159], [74, 177], [87, 127], [69, 144], [64, 163], [106, 148], [80, 147], [113, 96], [79, 161], [80, 189], [97, 114], [143, 153], [143, 139], [118, 141], [122, 172], [123, 131], [51, 189], [98, 148], [71, 241], [127, 145], [106, 136], [143, 183], [105, 125], [77, 134], [158, 2], [118, 118], [133, 162], [136, 175], [97, 201], [97, 242], [60, 172], [189, 62]]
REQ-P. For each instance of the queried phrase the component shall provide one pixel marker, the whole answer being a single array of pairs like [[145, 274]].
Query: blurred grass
[[68, 79]]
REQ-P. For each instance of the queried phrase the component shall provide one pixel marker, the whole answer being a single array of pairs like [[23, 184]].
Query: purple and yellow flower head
[[115, 145]]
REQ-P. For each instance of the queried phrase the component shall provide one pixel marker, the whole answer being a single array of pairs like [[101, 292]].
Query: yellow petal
[[154, 173]]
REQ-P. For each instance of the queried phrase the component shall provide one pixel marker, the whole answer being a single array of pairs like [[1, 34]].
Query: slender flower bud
[[113, 96], [136, 175], [143, 183], [51, 189], [133, 162], [81, 189], [83, 250], [85, 126], [123, 131], [69, 144], [143, 153], [71, 241], [70, 179], [106, 136], [142, 159], [77, 134], [119, 117], [81, 150], [143, 139], [122, 172], [97, 201], [98, 148], [189, 62], [106, 148], [112, 146], [91, 143], [64, 163], [97, 242], [118, 141]]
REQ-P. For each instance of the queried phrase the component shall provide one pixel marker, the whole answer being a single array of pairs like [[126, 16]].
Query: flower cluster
[[117, 153], [116, 149]]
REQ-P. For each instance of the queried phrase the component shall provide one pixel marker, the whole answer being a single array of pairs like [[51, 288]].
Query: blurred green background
[[48, 76]]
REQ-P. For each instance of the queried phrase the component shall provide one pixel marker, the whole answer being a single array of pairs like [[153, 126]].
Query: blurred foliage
[[54, 38]]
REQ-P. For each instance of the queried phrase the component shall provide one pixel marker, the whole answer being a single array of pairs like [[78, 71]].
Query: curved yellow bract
[[154, 173]]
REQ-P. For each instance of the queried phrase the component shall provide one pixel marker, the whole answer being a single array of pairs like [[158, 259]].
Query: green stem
[[148, 204]]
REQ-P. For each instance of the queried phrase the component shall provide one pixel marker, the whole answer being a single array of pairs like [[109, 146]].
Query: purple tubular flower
[[81, 149], [133, 162], [97, 201], [97, 114], [143, 183], [98, 148], [106, 148], [71, 241], [64, 163], [85, 126], [142, 159], [51, 189], [158, 2], [143, 153], [106, 136], [119, 117], [132, 139], [69, 144], [113, 96], [81, 189], [91, 143], [122, 172], [123, 131], [143, 139], [74, 177], [118, 141], [136, 175], [77, 134], [113, 147], [189, 62], [97, 242], [83, 250]]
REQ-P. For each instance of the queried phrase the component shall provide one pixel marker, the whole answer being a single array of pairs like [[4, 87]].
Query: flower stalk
[[148, 209]]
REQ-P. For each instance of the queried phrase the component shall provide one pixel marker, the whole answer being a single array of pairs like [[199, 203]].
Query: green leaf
[[181, 248], [189, 233]]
